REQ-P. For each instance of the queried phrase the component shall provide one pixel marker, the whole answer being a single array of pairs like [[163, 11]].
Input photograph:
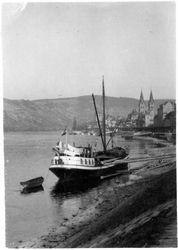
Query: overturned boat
[[70, 163]]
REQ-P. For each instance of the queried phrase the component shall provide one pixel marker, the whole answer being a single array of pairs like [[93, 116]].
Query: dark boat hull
[[33, 183], [83, 174]]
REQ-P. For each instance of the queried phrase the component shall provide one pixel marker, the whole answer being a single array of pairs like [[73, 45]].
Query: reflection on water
[[69, 200], [32, 190], [28, 155], [72, 187]]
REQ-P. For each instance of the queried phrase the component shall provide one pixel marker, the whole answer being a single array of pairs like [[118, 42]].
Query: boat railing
[[56, 161]]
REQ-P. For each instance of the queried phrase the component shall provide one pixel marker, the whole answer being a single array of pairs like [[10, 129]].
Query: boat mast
[[98, 121], [104, 118]]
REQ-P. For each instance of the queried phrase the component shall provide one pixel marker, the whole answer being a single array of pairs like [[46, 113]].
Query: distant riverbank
[[52, 114], [155, 140], [124, 215]]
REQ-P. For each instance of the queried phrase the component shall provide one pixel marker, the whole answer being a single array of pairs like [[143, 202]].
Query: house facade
[[163, 118]]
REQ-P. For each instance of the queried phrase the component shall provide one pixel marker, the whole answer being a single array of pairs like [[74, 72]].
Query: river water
[[28, 155]]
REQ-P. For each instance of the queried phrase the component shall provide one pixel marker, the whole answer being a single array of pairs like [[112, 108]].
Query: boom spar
[[101, 134]]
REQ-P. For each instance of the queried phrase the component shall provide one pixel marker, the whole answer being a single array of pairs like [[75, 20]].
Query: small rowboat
[[36, 182]]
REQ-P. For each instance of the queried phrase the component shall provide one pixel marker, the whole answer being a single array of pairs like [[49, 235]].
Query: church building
[[145, 113]]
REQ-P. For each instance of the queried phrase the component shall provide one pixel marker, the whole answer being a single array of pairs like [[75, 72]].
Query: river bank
[[125, 210], [159, 141]]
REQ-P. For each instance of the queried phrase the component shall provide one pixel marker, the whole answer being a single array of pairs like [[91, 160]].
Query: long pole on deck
[[66, 139], [98, 120], [104, 118], [66, 142]]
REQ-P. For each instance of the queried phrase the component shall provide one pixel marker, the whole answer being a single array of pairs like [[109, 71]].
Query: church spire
[[151, 100], [141, 105], [141, 97]]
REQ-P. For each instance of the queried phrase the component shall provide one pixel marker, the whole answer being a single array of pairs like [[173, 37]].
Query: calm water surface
[[28, 155]]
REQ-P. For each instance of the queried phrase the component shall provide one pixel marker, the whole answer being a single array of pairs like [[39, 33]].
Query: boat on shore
[[71, 162], [32, 183]]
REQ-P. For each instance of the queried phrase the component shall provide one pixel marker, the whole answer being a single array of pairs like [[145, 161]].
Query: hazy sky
[[53, 50]]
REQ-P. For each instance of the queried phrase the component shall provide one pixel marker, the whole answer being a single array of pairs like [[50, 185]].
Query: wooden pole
[[104, 118], [98, 120]]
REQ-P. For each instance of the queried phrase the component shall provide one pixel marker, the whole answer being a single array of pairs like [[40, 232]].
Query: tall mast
[[98, 121], [104, 119]]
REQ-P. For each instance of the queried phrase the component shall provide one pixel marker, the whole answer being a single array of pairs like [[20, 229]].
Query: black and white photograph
[[89, 124]]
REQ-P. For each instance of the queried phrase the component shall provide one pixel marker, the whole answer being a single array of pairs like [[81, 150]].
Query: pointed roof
[[151, 100], [141, 97]]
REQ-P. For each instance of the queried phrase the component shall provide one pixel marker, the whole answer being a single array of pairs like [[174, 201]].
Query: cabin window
[[89, 162], [85, 161], [81, 161]]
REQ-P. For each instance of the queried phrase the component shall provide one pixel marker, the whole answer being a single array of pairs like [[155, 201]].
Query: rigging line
[[101, 134], [112, 135]]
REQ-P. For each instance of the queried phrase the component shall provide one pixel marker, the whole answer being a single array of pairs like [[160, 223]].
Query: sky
[[56, 50]]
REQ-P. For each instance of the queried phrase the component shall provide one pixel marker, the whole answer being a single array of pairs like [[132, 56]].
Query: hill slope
[[55, 114]]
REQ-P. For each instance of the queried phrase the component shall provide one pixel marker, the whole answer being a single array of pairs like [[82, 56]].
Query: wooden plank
[[142, 159]]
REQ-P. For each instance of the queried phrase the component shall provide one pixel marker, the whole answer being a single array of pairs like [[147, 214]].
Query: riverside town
[[89, 124], [110, 168], [160, 121]]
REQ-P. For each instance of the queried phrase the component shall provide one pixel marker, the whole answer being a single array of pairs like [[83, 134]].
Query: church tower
[[151, 103], [141, 104]]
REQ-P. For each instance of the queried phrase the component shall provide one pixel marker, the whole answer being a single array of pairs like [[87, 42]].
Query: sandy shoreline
[[112, 220]]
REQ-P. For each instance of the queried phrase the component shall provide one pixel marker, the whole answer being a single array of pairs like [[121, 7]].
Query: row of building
[[147, 115]]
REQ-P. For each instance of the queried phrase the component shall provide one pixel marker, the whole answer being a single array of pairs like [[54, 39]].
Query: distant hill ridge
[[55, 114]]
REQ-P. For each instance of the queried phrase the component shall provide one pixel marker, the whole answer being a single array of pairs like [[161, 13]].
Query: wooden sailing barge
[[70, 163]]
